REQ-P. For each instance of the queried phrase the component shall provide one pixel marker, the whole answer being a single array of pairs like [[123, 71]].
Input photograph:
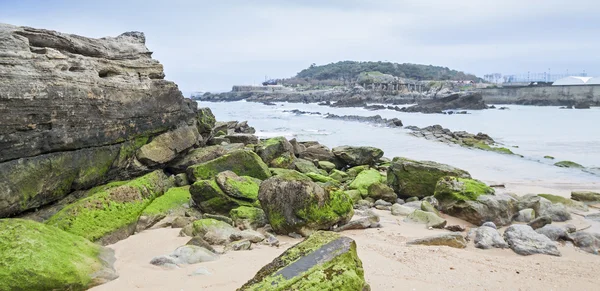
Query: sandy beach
[[388, 262]]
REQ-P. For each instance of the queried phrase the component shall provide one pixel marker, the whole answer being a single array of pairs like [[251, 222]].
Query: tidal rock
[[554, 233], [361, 223], [488, 237], [523, 240], [324, 261], [35, 256], [270, 149], [427, 218], [588, 242], [356, 156], [401, 210], [173, 202], [585, 196], [202, 155], [411, 178], [302, 206], [365, 179], [454, 240], [472, 101], [241, 162]]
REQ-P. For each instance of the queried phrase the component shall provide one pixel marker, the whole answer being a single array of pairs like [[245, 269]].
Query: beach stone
[[593, 217], [356, 156], [210, 198], [570, 228], [213, 231], [365, 179], [245, 138], [554, 233], [302, 206], [240, 245], [324, 261], [523, 240], [327, 166], [427, 207], [585, 196], [565, 201], [525, 215], [318, 152], [455, 240], [200, 242], [246, 217], [427, 218], [382, 203], [488, 237], [490, 225], [455, 228], [191, 254], [166, 262], [251, 235], [182, 221], [413, 204], [239, 187], [272, 148], [270, 240], [558, 212], [588, 242], [363, 204], [201, 155], [361, 223], [400, 201], [241, 162], [401, 210], [172, 204], [382, 191], [382, 207], [412, 199], [432, 200], [540, 222], [411, 178]]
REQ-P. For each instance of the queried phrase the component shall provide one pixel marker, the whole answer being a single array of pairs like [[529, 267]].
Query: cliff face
[[74, 111]]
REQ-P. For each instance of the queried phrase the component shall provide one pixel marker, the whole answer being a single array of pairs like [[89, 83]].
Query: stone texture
[[202, 155], [523, 240], [488, 237]]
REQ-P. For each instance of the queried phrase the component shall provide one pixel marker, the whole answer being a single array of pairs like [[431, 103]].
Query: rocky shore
[[99, 150]]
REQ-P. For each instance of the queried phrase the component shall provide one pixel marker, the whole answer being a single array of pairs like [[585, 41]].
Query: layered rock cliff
[[74, 112]]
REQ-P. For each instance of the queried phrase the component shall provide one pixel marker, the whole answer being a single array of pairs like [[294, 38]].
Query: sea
[[530, 131]]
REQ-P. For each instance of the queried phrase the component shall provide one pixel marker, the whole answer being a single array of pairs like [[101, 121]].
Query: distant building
[[576, 80]]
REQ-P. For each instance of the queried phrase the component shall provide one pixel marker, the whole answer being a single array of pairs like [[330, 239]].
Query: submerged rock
[[454, 240], [34, 256], [472, 101], [324, 261], [523, 240]]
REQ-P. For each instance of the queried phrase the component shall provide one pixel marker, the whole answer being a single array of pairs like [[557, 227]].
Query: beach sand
[[388, 262]]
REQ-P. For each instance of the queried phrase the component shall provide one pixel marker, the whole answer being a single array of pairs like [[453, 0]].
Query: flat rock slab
[[455, 240]]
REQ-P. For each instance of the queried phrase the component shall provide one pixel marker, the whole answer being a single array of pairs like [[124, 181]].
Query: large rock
[[202, 155], [554, 233], [381, 191], [585, 196], [523, 240], [167, 146], [544, 207], [240, 187], [210, 198], [318, 152], [174, 202], [213, 231], [112, 212], [356, 156], [419, 178], [324, 261], [84, 106], [241, 162], [293, 204], [488, 237], [270, 149], [306, 166], [365, 179], [455, 240], [472, 101], [35, 256], [452, 189]]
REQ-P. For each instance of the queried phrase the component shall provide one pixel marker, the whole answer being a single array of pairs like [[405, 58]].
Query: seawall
[[543, 95]]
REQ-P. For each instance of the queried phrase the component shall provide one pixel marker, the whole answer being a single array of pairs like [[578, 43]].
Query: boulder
[[588, 242], [585, 196], [187, 254], [354, 195], [523, 240], [173, 202], [525, 215], [554, 233], [272, 148], [354, 171], [306, 166], [558, 212], [248, 234], [112, 212], [284, 161], [167, 146], [565, 201], [245, 138], [356, 156], [75, 110], [200, 242], [246, 217], [427, 207], [452, 189], [324, 261], [361, 223], [401, 210], [239, 245], [301, 206], [202, 155], [210, 198], [427, 218], [454, 240], [327, 166], [35, 256], [381, 191], [244, 187], [241, 162], [213, 231], [339, 175], [418, 178], [365, 179], [540, 222], [488, 237], [297, 147]]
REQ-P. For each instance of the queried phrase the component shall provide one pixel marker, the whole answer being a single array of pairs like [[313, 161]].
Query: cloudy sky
[[211, 45]]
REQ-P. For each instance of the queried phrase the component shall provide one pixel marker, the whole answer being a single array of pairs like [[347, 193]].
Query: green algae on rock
[[321, 178], [339, 175], [460, 189], [365, 179], [284, 161], [210, 198], [241, 162], [174, 201], [327, 166], [202, 226], [248, 216], [357, 156], [111, 215], [35, 256], [566, 201], [324, 261], [411, 178], [568, 164], [306, 166], [271, 148], [239, 187]]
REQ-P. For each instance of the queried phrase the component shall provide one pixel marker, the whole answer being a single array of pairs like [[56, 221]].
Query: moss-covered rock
[[324, 261], [382, 191], [365, 179], [356, 156], [248, 217], [301, 206], [290, 173], [239, 187], [111, 215], [210, 198], [203, 226], [202, 155], [339, 175], [34, 256], [206, 121], [585, 196], [241, 162], [427, 207], [174, 201], [566, 201], [460, 189], [568, 164], [284, 161], [165, 147], [354, 171], [411, 178], [306, 166], [272, 148], [327, 166], [321, 178], [549, 157], [427, 218], [354, 195]]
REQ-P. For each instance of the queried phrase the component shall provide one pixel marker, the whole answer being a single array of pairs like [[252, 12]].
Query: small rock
[[381, 202], [200, 271], [166, 262], [181, 222], [523, 240], [412, 199], [187, 230], [294, 235], [240, 245], [488, 237], [363, 204], [428, 218], [570, 228], [540, 222], [554, 233], [402, 210], [585, 196], [382, 207], [490, 224], [525, 215], [271, 240], [427, 207], [190, 254], [413, 204], [362, 223], [455, 228], [400, 201], [455, 240], [251, 235], [588, 242], [219, 217]]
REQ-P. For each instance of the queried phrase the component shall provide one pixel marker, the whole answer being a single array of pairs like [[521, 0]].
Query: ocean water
[[528, 130]]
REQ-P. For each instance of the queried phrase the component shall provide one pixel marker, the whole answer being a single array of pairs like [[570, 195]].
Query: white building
[[574, 80]]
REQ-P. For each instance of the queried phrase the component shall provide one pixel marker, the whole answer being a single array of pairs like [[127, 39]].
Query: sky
[[212, 45]]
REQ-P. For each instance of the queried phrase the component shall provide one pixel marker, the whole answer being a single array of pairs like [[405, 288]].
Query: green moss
[[338, 205], [569, 164], [566, 201], [211, 199], [460, 189], [354, 195], [327, 166], [241, 162], [549, 157], [339, 175], [354, 171], [245, 212], [34, 256], [202, 226], [365, 179], [290, 174], [248, 188], [172, 199], [112, 209], [320, 178], [343, 271], [285, 161], [277, 220], [220, 133], [305, 166]]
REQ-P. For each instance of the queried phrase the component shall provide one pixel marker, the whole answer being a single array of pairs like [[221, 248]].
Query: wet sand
[[388, 262]]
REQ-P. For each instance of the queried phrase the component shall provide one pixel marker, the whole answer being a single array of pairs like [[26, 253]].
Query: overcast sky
[[211, 45]]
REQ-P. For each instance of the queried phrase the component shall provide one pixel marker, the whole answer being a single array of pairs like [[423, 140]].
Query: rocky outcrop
[[472, 101], [75, 111]]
